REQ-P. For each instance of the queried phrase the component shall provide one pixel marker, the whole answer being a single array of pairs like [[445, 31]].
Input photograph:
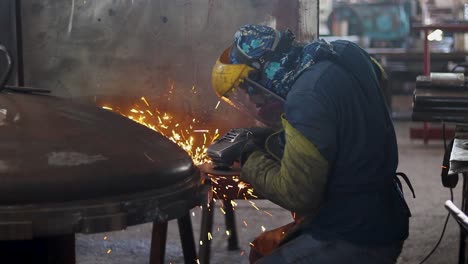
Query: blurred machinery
[[382, 24], [441, 97]]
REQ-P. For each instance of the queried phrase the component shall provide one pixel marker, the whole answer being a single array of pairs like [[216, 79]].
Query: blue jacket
[[340, 154], [338, 105]]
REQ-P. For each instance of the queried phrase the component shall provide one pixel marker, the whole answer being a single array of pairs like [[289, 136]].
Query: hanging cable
[[448, 215], [6, 75]]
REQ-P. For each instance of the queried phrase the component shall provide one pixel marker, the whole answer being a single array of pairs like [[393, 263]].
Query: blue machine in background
[[387, 23]]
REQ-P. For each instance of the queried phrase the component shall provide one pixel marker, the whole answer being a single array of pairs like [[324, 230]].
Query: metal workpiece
[[442, 79], [69, 167], [55, 149], [86, 169], [29, 221], [459, 154]]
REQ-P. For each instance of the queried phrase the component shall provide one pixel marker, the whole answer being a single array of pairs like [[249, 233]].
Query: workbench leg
[[462, 249], [47, 250], [204, 250], [62, 248], [186, 237], [233, 243], [158, 243]]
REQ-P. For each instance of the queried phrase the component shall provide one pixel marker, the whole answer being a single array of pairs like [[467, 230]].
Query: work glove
[[237, 145], [264, 139]]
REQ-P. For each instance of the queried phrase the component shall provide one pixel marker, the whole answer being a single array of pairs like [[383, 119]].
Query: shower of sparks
[[193, 141], [250, 192]]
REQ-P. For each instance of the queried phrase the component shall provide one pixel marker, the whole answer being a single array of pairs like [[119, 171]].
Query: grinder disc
[[210, 168]]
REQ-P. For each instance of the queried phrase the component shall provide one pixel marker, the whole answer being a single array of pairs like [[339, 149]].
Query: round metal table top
[[57, 150]]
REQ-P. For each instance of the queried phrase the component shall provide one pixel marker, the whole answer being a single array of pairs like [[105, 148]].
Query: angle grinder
[[226, 151]]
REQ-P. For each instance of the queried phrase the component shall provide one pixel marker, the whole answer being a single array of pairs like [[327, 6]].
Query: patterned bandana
[[279, 70]]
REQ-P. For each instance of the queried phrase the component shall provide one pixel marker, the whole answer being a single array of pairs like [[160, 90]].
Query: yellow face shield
[[225, 76], [233, 84]]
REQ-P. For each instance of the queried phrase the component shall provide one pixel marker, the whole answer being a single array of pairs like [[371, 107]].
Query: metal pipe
[[5, 75]]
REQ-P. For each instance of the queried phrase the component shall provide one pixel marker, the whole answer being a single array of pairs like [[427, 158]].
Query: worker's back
[[337, 104]]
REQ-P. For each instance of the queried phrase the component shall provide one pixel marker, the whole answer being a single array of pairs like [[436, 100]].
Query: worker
[[337, 167]]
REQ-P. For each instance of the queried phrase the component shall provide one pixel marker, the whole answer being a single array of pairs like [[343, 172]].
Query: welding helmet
[[239, 77]]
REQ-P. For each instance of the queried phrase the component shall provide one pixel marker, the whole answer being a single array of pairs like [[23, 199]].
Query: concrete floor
[[420, 162]]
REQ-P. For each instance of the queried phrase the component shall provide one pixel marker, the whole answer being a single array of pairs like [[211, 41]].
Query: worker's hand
[[260, 135], [249, 148], [256, 142]]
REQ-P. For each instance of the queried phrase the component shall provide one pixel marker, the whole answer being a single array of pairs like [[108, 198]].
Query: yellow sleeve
[[298, 181]]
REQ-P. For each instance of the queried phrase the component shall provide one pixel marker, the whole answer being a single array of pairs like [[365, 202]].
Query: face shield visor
[[236, 84], [255, 100]]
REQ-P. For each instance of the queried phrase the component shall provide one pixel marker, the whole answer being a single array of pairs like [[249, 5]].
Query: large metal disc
[[56, 150]]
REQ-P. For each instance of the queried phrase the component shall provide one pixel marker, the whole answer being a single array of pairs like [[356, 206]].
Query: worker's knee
[[267, 242]]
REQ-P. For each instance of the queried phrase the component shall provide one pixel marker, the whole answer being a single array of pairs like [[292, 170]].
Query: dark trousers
[[305, 249]]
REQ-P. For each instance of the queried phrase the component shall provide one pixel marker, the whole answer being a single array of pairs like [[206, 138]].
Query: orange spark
[[144, 100], [253, 204], [267, 213]]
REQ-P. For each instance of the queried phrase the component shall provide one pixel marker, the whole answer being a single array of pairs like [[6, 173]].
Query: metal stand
[[233, 242], [158, 243], [159, 238], [186, 238], [206, 227]]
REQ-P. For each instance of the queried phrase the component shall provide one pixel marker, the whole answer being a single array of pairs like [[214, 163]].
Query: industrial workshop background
[[150, 60]]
